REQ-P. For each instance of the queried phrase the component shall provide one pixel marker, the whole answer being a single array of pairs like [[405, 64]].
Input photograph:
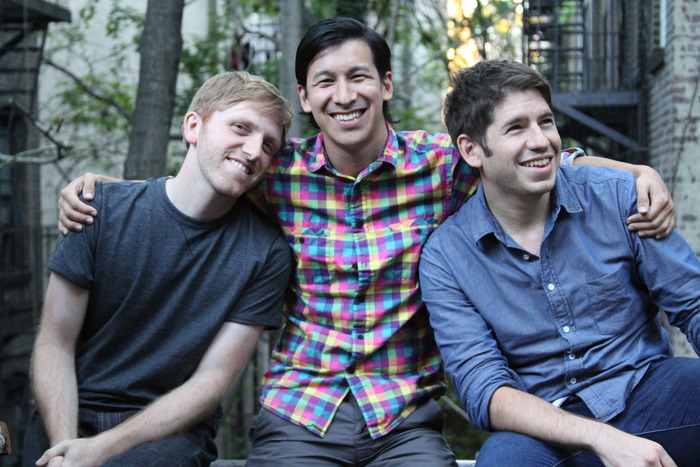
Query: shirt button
[[360, 336], [526, 257], [571, 356], [572, 380], [350, 369], [566, 329], [550, 286]]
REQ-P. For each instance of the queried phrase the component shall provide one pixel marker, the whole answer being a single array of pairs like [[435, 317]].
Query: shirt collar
[[390, 154], [482, 222]]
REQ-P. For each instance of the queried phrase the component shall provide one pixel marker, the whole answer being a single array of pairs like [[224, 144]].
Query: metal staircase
[[581, 46], [23, 26]]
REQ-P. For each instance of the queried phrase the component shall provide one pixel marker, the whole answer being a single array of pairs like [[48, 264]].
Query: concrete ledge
[[241, 463]]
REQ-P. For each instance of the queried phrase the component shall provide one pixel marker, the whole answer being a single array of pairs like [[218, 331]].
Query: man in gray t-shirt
[[153, 310]]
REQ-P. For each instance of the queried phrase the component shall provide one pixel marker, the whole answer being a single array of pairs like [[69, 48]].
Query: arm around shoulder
[[73, 214], [656, 212]]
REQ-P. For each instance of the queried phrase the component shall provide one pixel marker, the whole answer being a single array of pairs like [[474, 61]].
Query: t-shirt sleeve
[[74, 254], [261, 304]]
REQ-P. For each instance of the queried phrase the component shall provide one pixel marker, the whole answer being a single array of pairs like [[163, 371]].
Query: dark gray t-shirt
[[161, 286]]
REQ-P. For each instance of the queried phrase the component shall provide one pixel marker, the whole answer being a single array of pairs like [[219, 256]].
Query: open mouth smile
[[347, 117], [246, 170], [537, 163]]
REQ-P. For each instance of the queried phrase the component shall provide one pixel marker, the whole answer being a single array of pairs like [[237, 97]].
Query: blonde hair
[[229, 88]]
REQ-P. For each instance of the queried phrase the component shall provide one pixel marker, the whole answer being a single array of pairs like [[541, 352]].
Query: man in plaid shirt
[[356, 372]]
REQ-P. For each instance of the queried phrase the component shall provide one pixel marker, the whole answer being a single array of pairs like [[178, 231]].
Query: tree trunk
[[291, 19], [161, 47]]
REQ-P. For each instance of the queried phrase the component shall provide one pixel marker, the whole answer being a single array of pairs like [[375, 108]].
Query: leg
[[278, 442], [665, 407], [35, 441], [417, 441], [508, 449], [194, 448]]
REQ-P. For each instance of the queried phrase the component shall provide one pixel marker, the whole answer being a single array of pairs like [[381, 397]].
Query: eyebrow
[[354, 69], [521, 117]]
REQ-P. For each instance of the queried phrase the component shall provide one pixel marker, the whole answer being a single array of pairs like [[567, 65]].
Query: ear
[[303, 99], [470, 151], [191, 127], [387, 87]]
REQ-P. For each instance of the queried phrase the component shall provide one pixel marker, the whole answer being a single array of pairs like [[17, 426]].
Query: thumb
[[643, 200]]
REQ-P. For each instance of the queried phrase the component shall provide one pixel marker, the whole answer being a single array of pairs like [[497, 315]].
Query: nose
[[344, 92], [537, 138], [253, 146]]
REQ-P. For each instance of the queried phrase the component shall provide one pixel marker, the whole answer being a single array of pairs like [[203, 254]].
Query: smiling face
[[234, 146], [345, 95], [524, 147]]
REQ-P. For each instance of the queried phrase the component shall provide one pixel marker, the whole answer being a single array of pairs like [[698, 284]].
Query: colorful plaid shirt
[[355, 320]]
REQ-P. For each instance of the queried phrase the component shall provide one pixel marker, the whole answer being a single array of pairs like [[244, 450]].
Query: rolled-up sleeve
[[467, 345]]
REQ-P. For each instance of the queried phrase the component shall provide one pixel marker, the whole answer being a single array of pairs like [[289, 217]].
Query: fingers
[[656, 211], [51, 457], [72, 212], [658, 222], [89, 182]]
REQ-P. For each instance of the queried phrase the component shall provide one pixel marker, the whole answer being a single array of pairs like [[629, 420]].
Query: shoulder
[[264, 229], [294, 150], [600, 188], [423, 142], [584, 174], [125, 190]]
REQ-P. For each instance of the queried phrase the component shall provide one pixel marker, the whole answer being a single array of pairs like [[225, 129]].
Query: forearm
[[55, 390], [176, 412], [520, 412], [636, 170]]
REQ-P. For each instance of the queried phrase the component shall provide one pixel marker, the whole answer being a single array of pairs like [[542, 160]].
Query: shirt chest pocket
[[607, 300], [313, 250], [402, 246]]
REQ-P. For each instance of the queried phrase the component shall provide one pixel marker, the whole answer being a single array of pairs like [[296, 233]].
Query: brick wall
[[673, 113]]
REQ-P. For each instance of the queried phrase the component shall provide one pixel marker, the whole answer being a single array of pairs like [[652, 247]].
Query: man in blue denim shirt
[[544, 304]]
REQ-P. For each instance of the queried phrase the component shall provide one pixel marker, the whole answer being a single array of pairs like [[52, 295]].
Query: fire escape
[[586, 50], [23, 28]]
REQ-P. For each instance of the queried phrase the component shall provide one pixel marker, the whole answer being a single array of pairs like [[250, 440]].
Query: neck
[[523, 219], [352, 160], [194, 198]]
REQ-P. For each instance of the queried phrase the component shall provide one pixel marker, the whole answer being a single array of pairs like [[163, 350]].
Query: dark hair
[[334, 32], [478, 89]]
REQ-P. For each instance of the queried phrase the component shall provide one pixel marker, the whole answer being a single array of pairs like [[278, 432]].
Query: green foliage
[[121, 18]]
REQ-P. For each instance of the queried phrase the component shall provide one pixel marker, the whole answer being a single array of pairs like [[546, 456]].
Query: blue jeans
[[664, 407], [193, 448]]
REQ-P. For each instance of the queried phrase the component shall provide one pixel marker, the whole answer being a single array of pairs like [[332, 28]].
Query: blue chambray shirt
[[580, 319]]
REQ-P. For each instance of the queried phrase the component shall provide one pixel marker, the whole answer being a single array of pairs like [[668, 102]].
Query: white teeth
[[347, 117], [240, 167], [537, 163]]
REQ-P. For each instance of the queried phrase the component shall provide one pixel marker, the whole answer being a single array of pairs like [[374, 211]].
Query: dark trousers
[[417, 441], [664, 407], [193, 448]]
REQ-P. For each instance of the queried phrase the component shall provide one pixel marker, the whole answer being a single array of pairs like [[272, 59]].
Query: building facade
[[625, 75]]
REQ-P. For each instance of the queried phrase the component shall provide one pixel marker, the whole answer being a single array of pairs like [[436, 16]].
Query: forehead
[[339, 58], [520, 104]]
